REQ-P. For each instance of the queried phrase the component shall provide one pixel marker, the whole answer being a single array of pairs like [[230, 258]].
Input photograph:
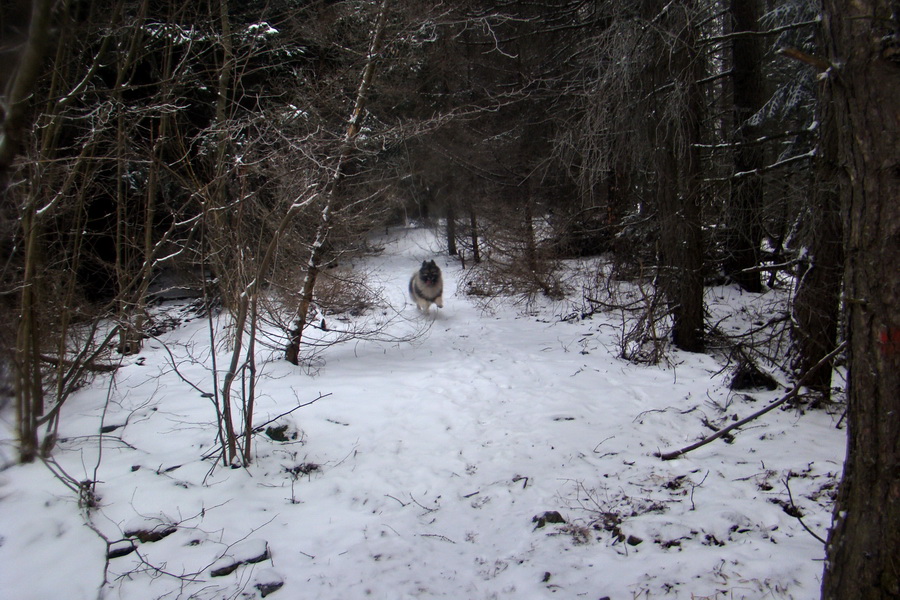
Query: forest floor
[[502, 451]]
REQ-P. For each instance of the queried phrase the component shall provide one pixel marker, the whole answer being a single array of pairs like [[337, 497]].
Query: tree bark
[[864, 542], [817, 302], [745, 227], [679, 209]]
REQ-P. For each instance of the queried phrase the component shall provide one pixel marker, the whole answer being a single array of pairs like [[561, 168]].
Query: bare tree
[[330, 187], [29, 392]]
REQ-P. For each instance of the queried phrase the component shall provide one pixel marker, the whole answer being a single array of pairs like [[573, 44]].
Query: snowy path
[[420, 474]]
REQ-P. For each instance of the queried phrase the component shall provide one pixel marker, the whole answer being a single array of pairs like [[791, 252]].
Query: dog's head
[[429, 273]]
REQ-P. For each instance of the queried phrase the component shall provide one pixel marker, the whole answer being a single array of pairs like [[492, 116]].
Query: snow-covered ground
[[432, 468]]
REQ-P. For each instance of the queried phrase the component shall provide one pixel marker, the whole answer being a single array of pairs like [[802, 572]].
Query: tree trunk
[[15, 117], [451, 227], [678, 192], [314, 266], [682, 256], [530, 250], [745, 227], [864, 543], [473, 233], [29, 381], [817, 303]]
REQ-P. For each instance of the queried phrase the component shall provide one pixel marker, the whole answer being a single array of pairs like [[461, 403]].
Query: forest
[[239, 157]]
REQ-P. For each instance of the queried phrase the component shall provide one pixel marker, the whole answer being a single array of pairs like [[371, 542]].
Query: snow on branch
[[773, 166], [766, 33]]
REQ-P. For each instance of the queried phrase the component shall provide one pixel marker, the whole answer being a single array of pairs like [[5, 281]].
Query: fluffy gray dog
[[427, 286]]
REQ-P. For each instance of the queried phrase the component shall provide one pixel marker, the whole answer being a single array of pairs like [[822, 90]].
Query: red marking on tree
[[890, 341]]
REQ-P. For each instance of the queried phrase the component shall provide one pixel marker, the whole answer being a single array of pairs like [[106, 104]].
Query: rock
[[252, 551], [551, 516], [150, 529], [120, 548], [223, 566], [283, 432], [267, 588], [248, 551], [268, 581]]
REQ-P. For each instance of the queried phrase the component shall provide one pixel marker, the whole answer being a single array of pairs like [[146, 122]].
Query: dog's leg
[[439, 301]]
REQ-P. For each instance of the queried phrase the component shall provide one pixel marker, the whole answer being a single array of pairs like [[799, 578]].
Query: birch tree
[[329, 188]]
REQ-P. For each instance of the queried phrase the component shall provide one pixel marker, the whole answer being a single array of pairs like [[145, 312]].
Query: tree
[[148, 141], [745, 234], [862, 41], [678, 189], [330, 188], [817, 301], [14, 112]]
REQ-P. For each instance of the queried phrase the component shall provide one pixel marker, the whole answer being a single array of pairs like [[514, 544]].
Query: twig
[[438, 536], [422, 506], [259, 428], [791, 394], [694, 487], [165, 347], [767, 32], [797, 511], [841, 420], [402, 503]]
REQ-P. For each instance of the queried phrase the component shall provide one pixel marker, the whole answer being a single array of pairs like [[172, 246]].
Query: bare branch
[[791, 394]]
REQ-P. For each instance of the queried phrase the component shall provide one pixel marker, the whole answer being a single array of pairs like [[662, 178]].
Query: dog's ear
[[424, 263], [433, 264]]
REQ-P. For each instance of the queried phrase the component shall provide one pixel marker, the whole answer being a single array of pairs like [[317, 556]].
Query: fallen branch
[[791, 394], [797, 510], [88, 366]]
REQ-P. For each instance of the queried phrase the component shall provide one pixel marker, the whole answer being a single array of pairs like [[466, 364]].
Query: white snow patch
[[419, 475]]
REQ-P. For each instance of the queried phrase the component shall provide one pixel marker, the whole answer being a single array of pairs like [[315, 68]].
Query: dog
[[427, 286]]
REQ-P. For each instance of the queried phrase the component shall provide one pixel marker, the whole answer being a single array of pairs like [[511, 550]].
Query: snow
[[422, 470], [261, 30]]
